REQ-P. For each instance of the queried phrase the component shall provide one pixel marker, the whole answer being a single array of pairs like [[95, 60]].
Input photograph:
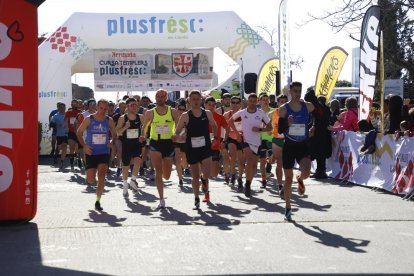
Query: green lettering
[[171, 25], [183, 25]]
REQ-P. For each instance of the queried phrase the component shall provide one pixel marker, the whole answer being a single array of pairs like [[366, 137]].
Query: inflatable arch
[[70, 49]]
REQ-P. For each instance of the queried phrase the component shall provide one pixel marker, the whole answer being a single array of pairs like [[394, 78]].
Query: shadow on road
[[334, 240], [104, 217], [20, 253]]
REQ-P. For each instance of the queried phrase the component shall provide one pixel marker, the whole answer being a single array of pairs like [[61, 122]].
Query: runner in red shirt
[[70, 119], [210, 104]]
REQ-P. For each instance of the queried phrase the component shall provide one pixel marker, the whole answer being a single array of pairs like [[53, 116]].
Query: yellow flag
[[266, 82], [329, 70]]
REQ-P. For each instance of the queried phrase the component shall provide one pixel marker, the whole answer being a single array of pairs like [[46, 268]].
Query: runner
[[235, 148], [210, 104], [252, 120], [277, 142], [293, 123], [162, 120], [129, 127], [61, 133], [118, 143], [90, 106], [225, 107], [70, 119], [98, 128], [180, 146], [198, 144], [53, 128], [265, 149]]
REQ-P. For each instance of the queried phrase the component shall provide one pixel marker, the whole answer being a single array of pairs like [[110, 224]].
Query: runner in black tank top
[[198, 143]]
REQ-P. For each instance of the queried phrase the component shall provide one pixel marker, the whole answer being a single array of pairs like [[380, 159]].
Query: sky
[[308, 42]]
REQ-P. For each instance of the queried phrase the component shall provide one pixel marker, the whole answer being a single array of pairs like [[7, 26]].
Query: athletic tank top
[[298, 131], [162, 126], [97, 135], [198, 133], [275, 125], [132, 133], [237, 123]]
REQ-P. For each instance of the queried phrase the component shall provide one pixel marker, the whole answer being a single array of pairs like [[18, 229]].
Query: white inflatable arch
[[70, 49]]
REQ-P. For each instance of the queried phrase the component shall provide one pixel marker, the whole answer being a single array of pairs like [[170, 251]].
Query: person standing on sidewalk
[[293, 123], [198, 142], [98, 127]]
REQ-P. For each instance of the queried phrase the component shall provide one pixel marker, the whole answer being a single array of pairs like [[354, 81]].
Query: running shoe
[[98, 206], [162, 204], [206, 197], [134, 184], [118, 172], [288, 215], [197, 203], [239, 184], [180, 183], [247, 191], [233, 179], [281, 192], [125, 191], [301, 187], [263, 184]]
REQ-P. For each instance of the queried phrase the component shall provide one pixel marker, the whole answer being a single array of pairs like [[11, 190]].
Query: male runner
[[61, 133], [70, 119], [266, 146]]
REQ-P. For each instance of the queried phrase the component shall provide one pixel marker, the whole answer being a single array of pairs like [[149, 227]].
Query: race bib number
[[162, 129], [198, 142], [99, 139], [297, 130], [72, 120], [132, 133], [238, 126]]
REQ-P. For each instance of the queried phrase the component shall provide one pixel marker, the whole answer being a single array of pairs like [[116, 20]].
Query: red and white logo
[[182, 64]]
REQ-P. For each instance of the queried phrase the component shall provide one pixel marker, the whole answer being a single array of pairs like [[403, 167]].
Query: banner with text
[[147, 70], [267, 80], [391, 167], [370, 33], [329, 70]]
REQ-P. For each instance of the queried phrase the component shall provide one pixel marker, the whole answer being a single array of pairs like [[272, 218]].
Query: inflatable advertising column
[[18, 109]]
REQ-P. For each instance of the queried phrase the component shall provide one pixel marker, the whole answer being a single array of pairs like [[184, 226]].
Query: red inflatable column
[[18, 109]]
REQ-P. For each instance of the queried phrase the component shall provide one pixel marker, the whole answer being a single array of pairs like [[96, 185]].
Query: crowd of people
[[206, 137]]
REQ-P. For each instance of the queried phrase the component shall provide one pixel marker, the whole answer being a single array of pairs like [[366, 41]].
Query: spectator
[[334, 108], [348, 120]]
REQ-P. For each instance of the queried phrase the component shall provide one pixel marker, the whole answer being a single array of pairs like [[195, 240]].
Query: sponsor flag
[[18, 109], [329, 70], [370, 33], [266, 82], [284, 45]]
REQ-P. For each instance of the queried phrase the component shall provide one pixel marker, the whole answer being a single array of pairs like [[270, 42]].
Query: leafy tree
[[343, 83]]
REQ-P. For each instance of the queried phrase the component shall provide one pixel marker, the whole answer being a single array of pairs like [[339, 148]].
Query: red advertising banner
[[18, 109]]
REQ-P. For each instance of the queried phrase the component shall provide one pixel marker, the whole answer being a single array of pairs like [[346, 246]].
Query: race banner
[[370, 33], [390, 167], [284, 46], [329, 70], [147, 70], [18, 109], [267, 80]]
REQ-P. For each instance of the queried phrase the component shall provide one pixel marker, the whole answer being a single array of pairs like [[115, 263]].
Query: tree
[[396, 23], [343, 83]]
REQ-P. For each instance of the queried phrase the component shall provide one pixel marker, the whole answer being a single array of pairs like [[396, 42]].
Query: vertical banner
[[284, 45], [370, 33], [18, 109], [381, 82], [267, 80], [329, 70]]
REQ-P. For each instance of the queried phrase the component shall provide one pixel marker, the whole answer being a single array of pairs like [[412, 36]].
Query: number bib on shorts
[[162, 129], [297, 129], [99, 139], [198, 142], [132, 133]]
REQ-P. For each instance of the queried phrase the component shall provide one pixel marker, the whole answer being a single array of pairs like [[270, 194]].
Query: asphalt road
[[340, 229]]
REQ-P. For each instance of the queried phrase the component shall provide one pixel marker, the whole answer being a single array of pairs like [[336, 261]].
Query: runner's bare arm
[[174, 113], [81, 129], [149, 115], [112, 130], [212, 123]]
